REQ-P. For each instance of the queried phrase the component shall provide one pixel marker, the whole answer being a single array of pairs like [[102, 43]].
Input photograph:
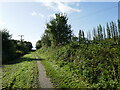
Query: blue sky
[[29, 18]]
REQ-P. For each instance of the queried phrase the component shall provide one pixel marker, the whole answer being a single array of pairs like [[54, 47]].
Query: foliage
[[11, 48], [74, 38], [38, 44], [24, 46], [45, 40], [8, 48], [22, 73], [58, 31], [81, 37], [62, 77], [95, 65], [95, 62]]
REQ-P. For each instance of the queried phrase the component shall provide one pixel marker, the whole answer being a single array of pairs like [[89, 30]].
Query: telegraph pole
[[21, 37]]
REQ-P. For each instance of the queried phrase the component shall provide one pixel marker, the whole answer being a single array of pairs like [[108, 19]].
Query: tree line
[[58, 32], [12, 49]]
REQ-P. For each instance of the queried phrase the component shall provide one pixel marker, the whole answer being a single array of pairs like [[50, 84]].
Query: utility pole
[[21, 37]]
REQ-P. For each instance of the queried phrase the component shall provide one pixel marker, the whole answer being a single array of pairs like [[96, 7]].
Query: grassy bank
[[22, 73], [82, 66], [62, 77]]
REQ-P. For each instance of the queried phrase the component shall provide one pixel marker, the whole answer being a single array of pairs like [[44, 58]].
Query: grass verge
[[23, 73], [63, 77], [82, 66]]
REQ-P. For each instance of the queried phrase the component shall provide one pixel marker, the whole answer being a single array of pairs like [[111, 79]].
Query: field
[[21, 73]]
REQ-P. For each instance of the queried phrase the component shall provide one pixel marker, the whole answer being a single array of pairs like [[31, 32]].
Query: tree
[[74, 38], [94, 34], [24, 46], [119, 26], [104, 33], [101, 32], [45, 40], [8, 47], [38, 44], [100, 35], [28, 45], [112, 29], [108, 31], [89, 35], [81, 36], [59, 31]]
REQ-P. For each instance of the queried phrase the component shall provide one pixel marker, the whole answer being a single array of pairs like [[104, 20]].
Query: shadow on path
[[19, 60]]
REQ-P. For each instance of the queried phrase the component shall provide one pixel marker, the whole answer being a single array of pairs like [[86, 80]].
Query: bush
[[96, 64]]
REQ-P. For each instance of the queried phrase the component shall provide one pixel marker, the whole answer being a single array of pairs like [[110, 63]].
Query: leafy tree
[[45, 40], [100, 35], [94, 34], [11, 47], [8, 48], [74, 38], [59, 31], [116, 30], [81, 36], [108, 31], [38, 44], [24, 46], [101, 32], [104, 33], [119, 26], [28, 45]]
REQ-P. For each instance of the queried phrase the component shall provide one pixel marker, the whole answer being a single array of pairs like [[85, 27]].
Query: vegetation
[[91, 61], [38, 44], [11, 49], [58, 32], [82, 62], [21, 73], [74, 64]]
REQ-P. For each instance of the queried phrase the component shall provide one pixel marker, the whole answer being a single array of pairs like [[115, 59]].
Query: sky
[[29, 18]]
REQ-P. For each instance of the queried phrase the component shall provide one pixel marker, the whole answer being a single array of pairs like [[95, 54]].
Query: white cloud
[[64, 8], [40, 0], [60, 6], [37, 14], [59, 0], [34, 14]]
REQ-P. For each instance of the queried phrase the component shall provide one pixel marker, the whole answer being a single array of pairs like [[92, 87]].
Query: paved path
[[44, 81]]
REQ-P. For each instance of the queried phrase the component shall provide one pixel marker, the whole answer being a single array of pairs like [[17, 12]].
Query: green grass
[[22, 73], [63, 77], [93, 66]]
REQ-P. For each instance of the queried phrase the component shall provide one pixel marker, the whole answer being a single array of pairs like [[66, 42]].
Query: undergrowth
[[82, 66], [22, 73]]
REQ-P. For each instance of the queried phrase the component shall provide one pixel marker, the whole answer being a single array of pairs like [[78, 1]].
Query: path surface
[[44, 81]]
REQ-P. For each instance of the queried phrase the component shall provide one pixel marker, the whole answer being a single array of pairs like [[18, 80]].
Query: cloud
[[60, 6], [37, 14], [64, 8], [59, 0], [34, 14]]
